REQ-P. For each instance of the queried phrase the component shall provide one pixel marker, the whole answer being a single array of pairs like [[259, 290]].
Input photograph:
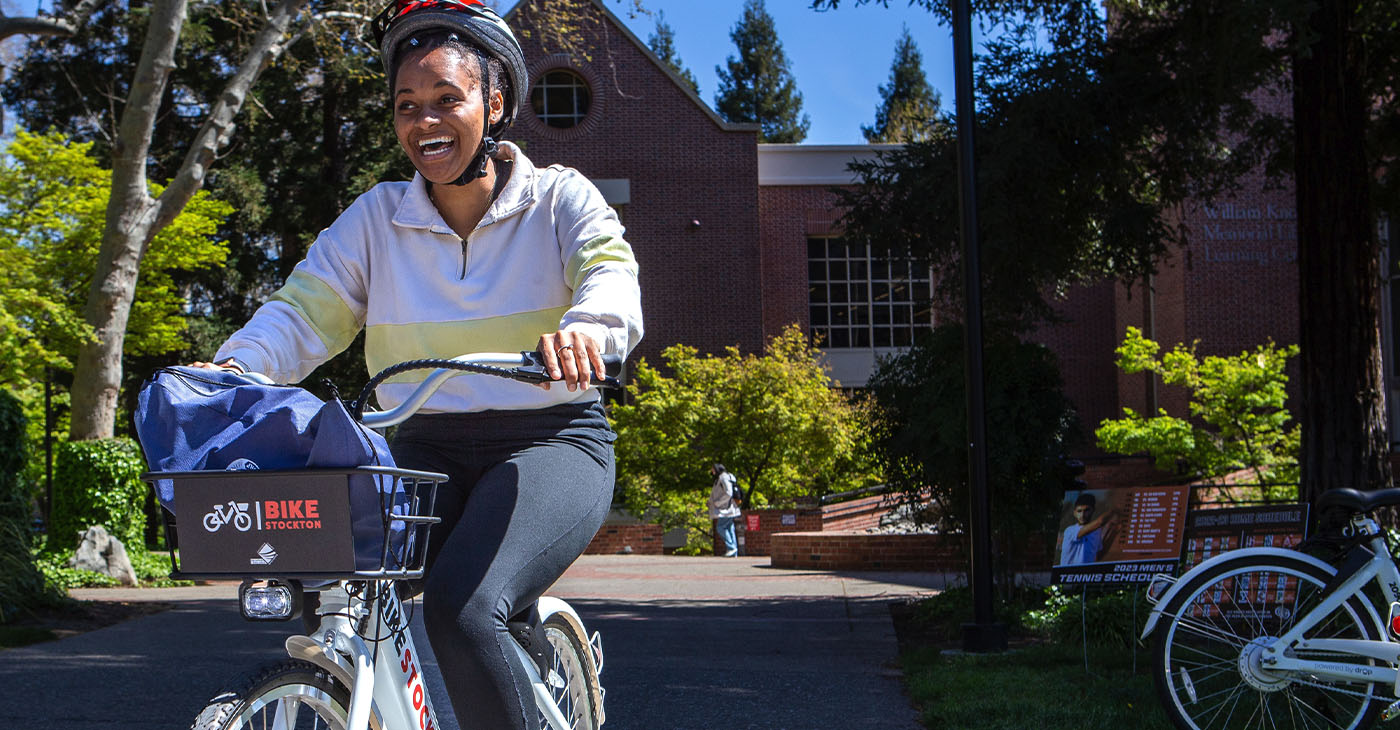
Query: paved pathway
[[690, 643]]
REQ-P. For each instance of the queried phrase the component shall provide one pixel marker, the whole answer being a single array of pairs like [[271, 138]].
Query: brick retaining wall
[[866, 551], [643, 539], [853, 515]]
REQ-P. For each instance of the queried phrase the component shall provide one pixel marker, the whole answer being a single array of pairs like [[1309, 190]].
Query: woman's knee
[[450, 608]]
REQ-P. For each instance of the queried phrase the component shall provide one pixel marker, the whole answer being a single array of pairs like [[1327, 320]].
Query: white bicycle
[[356, 666], [1272, 638]]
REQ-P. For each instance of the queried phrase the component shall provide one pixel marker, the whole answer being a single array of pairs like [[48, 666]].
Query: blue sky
[[839, 58]]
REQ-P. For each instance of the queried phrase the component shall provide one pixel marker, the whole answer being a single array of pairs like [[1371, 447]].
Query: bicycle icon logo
[[237, 513]]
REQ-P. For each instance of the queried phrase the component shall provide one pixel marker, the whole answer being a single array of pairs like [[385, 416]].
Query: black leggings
[[527, 491]]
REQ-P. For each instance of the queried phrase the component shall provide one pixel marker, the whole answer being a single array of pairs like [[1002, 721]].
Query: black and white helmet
[[480, 26]]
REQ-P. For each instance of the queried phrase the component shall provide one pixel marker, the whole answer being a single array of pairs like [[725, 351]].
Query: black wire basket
[[366, 522]]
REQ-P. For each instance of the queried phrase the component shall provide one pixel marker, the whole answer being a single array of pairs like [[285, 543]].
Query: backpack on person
[[735, 491]]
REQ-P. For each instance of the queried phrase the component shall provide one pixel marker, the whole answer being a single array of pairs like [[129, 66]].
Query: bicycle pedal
[[1391, 712]]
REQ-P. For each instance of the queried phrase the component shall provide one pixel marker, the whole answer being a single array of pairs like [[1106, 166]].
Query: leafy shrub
[[98, 483], [61, 577], [152, 569], [774, 421], [1054, 614], [22, 586], [950, 608], [1116, 618], [1239, 417]]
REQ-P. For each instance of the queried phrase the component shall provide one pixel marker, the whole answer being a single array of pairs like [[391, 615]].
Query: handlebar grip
[[612, 365], [534, 370]]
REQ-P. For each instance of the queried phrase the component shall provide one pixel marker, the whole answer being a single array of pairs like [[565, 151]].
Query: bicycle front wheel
[[289, 695], [1208, 642], [573, 680]]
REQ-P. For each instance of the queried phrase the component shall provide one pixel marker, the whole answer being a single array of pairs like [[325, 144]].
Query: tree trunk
[[97, 372], [133, 217], [1345, 442]]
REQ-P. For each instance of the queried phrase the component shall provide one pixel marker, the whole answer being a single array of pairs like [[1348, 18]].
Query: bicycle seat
[[1357, 500]]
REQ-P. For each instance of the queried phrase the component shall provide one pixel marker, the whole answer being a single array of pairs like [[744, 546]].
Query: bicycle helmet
[[404, 23]]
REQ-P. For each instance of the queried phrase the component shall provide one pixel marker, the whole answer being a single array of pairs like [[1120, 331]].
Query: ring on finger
[[563, 348]]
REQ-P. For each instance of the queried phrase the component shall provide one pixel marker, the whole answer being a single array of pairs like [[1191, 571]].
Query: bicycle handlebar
[[525, 366]]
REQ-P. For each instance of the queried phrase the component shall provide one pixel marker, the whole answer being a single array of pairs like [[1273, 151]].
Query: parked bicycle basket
[[365, 522]]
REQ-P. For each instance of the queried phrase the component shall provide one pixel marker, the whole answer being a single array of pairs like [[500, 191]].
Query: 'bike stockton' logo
[[272, 514]]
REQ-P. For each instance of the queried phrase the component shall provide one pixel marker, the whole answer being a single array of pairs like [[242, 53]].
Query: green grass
[[1040, 686]]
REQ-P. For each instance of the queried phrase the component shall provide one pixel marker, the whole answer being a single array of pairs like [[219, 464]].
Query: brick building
[[737, 239]]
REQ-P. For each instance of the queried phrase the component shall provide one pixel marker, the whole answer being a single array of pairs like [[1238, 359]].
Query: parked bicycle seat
[[1357, 500]]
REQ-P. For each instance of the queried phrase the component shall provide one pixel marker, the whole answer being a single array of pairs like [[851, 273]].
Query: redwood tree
[[1345, 436]]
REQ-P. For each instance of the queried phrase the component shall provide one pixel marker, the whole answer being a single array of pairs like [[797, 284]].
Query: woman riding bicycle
[[481, 251]]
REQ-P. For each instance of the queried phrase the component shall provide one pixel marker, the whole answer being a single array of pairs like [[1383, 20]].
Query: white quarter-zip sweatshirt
[[549, 254]]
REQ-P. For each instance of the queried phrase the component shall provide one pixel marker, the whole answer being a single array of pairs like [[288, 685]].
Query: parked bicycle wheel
[[1211, 630], [576, 690], [290, 695]]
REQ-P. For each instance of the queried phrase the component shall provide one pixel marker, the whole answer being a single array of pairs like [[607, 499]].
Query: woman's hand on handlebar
[[572, 357]]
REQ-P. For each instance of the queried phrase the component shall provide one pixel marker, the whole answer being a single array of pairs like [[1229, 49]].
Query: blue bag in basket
[[193, 419]]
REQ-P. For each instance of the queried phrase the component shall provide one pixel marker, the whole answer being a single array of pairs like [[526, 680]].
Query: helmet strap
[[477, 168]]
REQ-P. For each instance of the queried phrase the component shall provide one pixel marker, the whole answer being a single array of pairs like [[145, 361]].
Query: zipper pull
[[463, 277]]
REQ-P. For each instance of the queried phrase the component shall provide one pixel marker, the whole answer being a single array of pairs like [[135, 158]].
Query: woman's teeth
[[435, 146]]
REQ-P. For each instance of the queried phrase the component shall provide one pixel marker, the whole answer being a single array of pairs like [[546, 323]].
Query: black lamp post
[[983, 634]]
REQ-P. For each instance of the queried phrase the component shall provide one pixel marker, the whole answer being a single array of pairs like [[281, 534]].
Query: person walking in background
[[724, 507]]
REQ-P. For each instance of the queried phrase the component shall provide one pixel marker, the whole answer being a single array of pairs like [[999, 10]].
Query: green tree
[[1182, 98], [923, 433], [757, 87], [327, 85], [775, 421], [909, 107], [53, 198], [663, 44], [135, 214], [1239, 420]]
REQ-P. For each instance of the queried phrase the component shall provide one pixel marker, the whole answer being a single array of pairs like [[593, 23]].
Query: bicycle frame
[[383, 667], [1380, 567]]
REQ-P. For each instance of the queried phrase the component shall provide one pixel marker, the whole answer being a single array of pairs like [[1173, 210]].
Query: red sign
[[751, 522]]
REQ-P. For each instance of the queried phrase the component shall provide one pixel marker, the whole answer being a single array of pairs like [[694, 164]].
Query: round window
[[561, 98]]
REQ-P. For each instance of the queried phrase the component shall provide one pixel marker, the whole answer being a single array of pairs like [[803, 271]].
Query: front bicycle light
[[269, 600]]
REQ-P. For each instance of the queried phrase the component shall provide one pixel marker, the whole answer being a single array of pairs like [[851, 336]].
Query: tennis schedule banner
[[1115, 537], [1210, 532]]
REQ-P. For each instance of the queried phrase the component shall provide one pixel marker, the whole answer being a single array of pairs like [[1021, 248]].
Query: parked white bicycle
[[356, 666], [1271, 638]]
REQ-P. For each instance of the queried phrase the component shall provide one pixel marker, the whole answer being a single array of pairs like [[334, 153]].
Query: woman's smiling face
[[437, 111]]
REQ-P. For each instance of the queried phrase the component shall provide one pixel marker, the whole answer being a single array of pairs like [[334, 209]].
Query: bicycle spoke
[[1235, 694], [1238, 608], [1305, 705], [1209, 631]]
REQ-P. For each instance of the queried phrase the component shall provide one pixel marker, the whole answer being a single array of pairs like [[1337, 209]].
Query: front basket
[[365, 522]]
